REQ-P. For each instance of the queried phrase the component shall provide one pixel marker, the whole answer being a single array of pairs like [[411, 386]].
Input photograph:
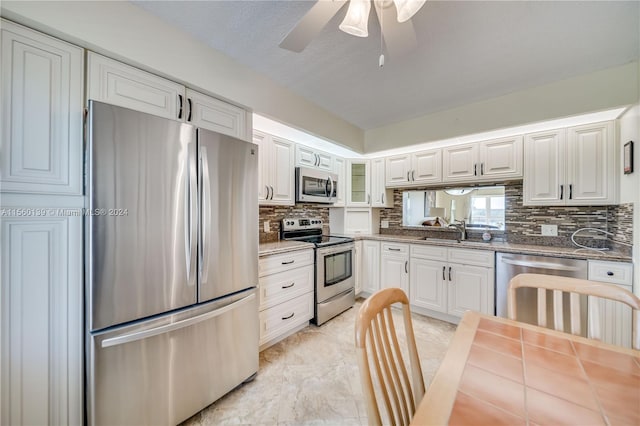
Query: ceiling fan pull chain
[[381, 59]]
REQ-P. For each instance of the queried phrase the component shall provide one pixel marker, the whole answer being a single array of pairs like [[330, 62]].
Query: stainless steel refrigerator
[[172, 251]]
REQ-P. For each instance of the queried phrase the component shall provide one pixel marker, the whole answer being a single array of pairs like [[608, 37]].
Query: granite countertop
[[568, 252], [282, 246]]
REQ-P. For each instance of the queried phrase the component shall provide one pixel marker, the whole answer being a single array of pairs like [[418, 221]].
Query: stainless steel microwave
[[315, 186]]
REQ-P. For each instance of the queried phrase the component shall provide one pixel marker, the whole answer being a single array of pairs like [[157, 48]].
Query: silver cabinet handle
[[271, 192], [413, 175], [332, 188], [287, 317], [205, 213], [449, 273], [444, 278], [266, 197], [289, 286], [406, 266], [561, 192], [190, 109], [288, 262], [408, 174], [475, 169], [481, 168], [571, 191], [179, 107], [393, 249], [383, 198], [368, 198]]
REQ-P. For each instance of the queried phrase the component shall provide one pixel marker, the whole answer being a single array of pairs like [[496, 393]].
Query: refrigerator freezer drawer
[[165, 370]]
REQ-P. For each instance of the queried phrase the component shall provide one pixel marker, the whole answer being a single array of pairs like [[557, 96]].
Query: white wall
[[597, 91], [630, 184], [128, 33]]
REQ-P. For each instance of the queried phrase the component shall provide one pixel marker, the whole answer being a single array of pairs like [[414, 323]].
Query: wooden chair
[[575, 287], [377, 344]]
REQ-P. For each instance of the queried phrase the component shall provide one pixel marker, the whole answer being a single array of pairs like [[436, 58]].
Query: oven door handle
[[337, 248]]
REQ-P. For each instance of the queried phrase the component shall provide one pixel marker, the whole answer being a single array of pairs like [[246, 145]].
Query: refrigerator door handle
[[145, 334], [205, 213], [191, 216]]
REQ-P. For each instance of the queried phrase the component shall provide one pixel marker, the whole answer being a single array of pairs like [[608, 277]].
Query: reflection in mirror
[[480, 208]]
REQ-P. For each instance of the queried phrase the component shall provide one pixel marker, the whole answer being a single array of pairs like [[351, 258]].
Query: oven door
[[315, 186], [334, 270]]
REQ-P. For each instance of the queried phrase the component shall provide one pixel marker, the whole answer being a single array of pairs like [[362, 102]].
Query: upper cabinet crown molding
[[573, 166], [42, 100], [120, 84]]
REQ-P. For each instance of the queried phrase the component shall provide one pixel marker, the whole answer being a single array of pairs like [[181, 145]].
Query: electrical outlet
[[549, 230], [266, 226], [384, 224]]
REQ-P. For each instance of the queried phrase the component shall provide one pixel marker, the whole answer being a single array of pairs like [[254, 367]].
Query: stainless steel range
[[334, 281]]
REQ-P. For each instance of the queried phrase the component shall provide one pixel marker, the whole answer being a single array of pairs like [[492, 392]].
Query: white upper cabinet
[[340, 169], [421, 168], [42, 103], [501, 158], [574, 166], [275, 164], [460, 163], [209, 113], [358, 183], [311, 157], [492, 160], [591, 169], [119, 84], [380, 196]]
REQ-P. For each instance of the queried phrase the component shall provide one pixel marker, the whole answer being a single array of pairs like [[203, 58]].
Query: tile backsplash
[[522, 222]]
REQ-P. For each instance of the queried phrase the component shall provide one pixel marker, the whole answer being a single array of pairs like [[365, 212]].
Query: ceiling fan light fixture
[[407, 8], [357, 18]]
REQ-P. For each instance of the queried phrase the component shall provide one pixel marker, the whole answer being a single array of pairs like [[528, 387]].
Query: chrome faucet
[[460, 226]]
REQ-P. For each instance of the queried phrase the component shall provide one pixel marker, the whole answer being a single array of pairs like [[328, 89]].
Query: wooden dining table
[[497, 371]]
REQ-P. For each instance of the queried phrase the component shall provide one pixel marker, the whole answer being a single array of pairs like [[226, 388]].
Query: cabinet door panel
[[42, 321], [591, 165], [282, 175], [358, 183], [119, 84], [427, 287], [394, 272], [397, 170], [42, 100], [370, 269], [427, 167], [325, 161], [380, 196], [469, 290], [213, 114], [460, 163], [501, 158], [263, 165], [340, 170], [544, 168], [305, 156]]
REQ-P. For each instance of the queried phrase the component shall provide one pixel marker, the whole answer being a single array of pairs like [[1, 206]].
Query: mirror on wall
[[480, 207]]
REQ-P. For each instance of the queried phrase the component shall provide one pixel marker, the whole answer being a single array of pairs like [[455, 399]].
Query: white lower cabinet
[[370, 266], [394, 266], [451, 281], [42, 320], [615, 317], [286, 294]]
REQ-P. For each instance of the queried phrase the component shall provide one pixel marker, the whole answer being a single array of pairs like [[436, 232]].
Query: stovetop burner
[[309, 230]]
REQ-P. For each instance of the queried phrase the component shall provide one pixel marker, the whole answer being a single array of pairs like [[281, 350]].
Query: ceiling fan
[[397, 29]]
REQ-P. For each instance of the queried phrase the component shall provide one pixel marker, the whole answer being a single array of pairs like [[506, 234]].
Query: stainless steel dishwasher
[[509, 265]]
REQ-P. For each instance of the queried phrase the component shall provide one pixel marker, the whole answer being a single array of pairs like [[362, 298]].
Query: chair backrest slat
[[594, 291], [377, 343]]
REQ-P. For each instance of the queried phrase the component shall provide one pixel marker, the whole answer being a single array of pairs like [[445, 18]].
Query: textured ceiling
[[467, 50]]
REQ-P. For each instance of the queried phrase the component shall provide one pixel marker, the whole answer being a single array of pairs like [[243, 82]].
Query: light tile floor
[[312, 377]]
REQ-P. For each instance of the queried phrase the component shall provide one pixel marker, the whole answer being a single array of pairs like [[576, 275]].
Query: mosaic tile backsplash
[[522, 222]]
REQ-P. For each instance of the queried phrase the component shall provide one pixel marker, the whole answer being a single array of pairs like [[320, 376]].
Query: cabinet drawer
[[611, 272], [395, 248], [286, 316], [472, 257], [282, 262], [429, 252], [283, 286]]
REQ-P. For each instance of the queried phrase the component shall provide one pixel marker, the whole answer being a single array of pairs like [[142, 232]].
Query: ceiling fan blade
[[311, 24], [400, 38]]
